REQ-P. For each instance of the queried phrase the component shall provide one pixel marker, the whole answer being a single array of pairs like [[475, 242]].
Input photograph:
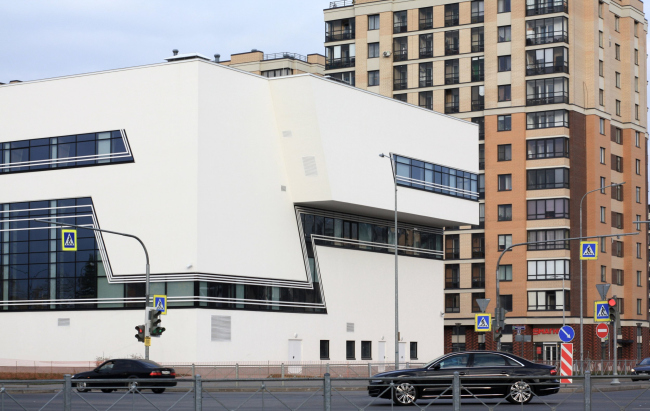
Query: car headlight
[[633, 370]]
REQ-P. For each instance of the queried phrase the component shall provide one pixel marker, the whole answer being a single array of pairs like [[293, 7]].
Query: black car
[[642, 368], [123, 369], [485, 364]]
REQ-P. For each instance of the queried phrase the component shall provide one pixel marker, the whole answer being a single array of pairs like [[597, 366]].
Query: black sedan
[[642, 369], [126, 369], [484, 365]]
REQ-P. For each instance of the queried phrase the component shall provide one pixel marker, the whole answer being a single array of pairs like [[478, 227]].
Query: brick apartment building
[[558, 88]]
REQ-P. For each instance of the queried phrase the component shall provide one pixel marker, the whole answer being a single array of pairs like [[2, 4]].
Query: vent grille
[[350, 327], [309, 163], [283, 188], [287, 133], [64, 322], [220, 328]]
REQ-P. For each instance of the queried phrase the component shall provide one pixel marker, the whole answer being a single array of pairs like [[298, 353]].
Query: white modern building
[[264, 206]]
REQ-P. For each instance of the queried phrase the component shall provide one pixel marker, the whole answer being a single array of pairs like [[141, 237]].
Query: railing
[[477, 17], [426, 52], [337, 35], [341, 3], [400, 84], [400, 55], [452, 254], [451, 50], [426, 82], [285, 55], [343, 62], [478, 283], [451, 79], [451, 108], [452, 285], [478, 47], [478, 75], [550, 245], [549, 98], [399, 28], [536, 10], [451, 21], [426, 23], [547, 68], [478, 105], [547, 38], [478, 252]]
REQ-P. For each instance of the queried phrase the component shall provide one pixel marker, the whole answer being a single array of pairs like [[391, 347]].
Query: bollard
[[369, 370], [587, 390], [327, 392], [455, 389], [67, 393], [198, 393], [193, 369], [327, 368]]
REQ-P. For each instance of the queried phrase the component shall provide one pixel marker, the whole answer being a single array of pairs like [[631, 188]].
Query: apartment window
[[452, 69], [505, 272], [346, 77], [373, 78], [621, 310], [481, 126], [602, 185], [547, 300], [617, 248], [550, 239], [602, 155], [638, 306], [638, 167], [451, 42], [413, 350], [478, 39], [477, 11], [617, 163], [547, 148], [426, 45], [548, 208], [451, 15], [399, 22], [638, 226], [400, 49], [373, 22], [277, 73], [638, 194], [617, 192], [478, 275], [602, 126], [603, 214], [636, 111], [547, 91], [503, 6], [504, 93], [638, 279], [505, 212], [617, 23], [504, 123], [539, 270], [452, 276], [618, 79], [638, 250], [505, 301], [617, 136], [478, 98], [478, 245], [601, 97], [636, 29], [618, 277], [601, 68], [452, 303], [600, 39], [425, 99], [373, 50], [349, 350], [452, 247], [400, 79], [426, 18], [366, 350], [637, 139], [636, 84], [478, 72], [400, 97], [503, 34], [617, 220], [337, 30], [547, 119], [537, 7], [505, 241], [341, 56], [324, 349], [547, 178], [505, 182], [481, 186], [600, 9], [481, 156], [617, 49], [603, 245], [618, 107], [504, 152], [504, 63], [636, 57], [481, 212], [603, 273], [476, 296], [545, 31], [452, 101], [422, 175]]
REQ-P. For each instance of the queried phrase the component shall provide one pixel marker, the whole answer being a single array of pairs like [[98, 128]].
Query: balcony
[[477, 17], [547, 68], [548, 98], [452, 284], [399, 84], [478, 105], [451, 49], [478, 74], [399, 28], [539, 9], [342, 62], [452, 79], [341, 3], [338, 35], [478, 252], [451, 20], [547, 38], [426, 81], [400, 55], [478, 282], [426, 52], [426, 23], [452, 254], [451, 108], [478, 47]]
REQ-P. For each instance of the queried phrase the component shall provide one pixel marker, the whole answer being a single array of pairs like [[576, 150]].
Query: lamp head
[[382, 155]]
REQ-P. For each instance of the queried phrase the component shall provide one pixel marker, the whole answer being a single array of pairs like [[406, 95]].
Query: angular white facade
[[226, 176]]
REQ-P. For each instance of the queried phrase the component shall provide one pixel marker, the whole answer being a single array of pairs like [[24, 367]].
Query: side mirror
[[436, 367]]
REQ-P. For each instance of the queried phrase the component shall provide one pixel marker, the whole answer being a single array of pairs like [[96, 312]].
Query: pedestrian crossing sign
[[601, 311], [69, 240], [483, 322], [160, 303], [589, 250]]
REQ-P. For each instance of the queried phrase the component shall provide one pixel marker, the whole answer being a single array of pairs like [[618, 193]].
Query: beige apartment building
[[276, 64], [558, 88]]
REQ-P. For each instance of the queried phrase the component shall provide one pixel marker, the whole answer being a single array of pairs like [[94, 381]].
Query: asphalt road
[[344, 400]]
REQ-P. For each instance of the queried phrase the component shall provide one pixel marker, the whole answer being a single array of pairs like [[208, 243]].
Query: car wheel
[[81, 387], [520, 393], [158, 390], [405, 393], [107, 390]]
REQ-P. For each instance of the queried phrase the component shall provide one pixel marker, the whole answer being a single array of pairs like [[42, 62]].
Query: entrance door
[[381, 349], [550, 352], [295, 356], [402, 353]]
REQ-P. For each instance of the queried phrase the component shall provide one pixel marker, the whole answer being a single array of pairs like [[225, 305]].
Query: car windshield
[[429, 364], [149, 364], [646, 361]]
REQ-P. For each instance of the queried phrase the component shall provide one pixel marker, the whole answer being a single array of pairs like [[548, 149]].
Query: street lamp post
[[146, 254], [394, 171], [582, 338]]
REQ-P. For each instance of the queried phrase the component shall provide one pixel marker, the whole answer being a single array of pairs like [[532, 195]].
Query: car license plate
[[165, 372]]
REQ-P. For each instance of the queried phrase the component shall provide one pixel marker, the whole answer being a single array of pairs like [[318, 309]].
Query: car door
[[444, 370], [104, 371], [486, 366]]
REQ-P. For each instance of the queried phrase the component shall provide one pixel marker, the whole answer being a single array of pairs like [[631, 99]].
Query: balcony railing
[[478, 105], [451, 108], [478, 75], [547, 38], [338, 35], [547, 186], [399, 84], [451, 21], [478, 252], [452, 254], [426, 52], [539, 9], [477, 17], [341, 3], [451, 50], [550, 245], [478, 47], [451, 79], [399, 28], [450, 285], [400, 55], [426, 23], [547, 68], [285, 55], [426, 82], [478, 282], [549, 98], [342, 62]]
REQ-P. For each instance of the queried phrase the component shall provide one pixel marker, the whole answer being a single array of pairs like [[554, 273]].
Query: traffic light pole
[[146, 254]]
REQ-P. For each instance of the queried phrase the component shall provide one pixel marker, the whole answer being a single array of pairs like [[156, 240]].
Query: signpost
[[160, 303], [483, 322], [588, 250], [602, 330], [566, 365], [567, 333], [601, 311], [69, 240]]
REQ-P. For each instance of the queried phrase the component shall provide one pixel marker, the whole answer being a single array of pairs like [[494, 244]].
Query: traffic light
[[155, 330], [613, 316], [499, 323], [140, 334]]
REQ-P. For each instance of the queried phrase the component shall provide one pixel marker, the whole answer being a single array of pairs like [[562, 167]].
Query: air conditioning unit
[[387, 53]]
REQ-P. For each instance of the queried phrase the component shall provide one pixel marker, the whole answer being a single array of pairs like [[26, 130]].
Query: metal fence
[[586, 392]]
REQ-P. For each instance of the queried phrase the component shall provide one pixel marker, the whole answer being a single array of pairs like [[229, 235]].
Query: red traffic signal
[[611, 302], [140, 335]]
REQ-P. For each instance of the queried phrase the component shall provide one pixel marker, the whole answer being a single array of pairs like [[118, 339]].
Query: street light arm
[[598, 189]]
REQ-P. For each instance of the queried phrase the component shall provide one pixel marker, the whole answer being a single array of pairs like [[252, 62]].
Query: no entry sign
[[602, 330]]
